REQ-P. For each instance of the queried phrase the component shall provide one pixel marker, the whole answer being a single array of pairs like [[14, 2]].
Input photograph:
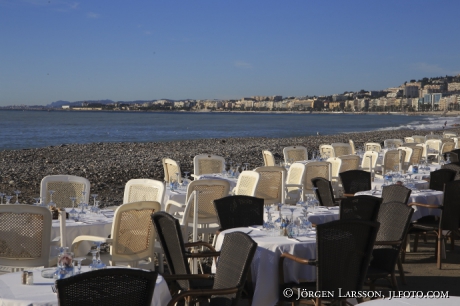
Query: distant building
[[453, 87], [65, 106]]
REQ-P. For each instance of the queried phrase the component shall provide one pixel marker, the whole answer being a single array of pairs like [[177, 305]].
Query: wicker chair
[[343, 253], [25, 237], [315, 169], [407, 157], [392, 142], [454, 156], [235, 258], [247, 183], [271, 184], [294, 183], [336, 164], [341, 149], [352, 145], [349, 162], [170, 168], [448, 223], [326, 151], [65, 187], [433, 148], [121, 286], [446, 148], [455, 167], [439, 178], [354, 181], [132, 237], [373, 146], [295, 153], [423, 146], [239, 211], [392, 159], [324, 191], [394, 219], [138, 190], [447, 134], [207, 164], [367, 158], [269, 159], [419, 139], [395, 193], [363, 207], [417, 154]]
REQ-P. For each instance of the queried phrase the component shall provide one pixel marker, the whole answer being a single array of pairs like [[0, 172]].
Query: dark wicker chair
[[394, 219], [455, 167], [395, 193], [324, 192], [454, 156], [363, 207], [354, 181], [239, 211], [439, 178], [170, 235], [121, 286], [343, 253], [236, 255], [448, 223]]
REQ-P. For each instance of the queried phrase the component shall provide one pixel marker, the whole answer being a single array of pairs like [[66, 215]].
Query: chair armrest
[[201, 292], [425, 205], [388, 242], [294, 258], [195, 176], [200, 243], [76, 242], [173, 203]]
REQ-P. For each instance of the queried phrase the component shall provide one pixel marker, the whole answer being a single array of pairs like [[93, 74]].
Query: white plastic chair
[[336, 164], [352, 145], [432, 136], [341, 149], [366, 163], [247, 183], [349, 162], [447, 134], [392, 142], [408, 157], [271, 184], [25, 237], [207, 164], [64, 187], [315, 169], [372, 146], [269, 159], [326, 151], [133, 235], [294, 183], [409, 139], [433, 148], [139, 190], [295, 153], [170, 168]]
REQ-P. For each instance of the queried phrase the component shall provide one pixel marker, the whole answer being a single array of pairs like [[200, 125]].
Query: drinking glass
[[51, 203], [8, 199], [1, 197], [246, 165], [177, 180], [78, 260], [73, 212], [185, 181], [37, 201], [93, 209], [17, 192]]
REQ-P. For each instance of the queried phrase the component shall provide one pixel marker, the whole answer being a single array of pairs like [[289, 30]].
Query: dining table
[[40, 293], [318, 215]]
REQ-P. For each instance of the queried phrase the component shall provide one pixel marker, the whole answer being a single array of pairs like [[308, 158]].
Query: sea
[[35, 129]]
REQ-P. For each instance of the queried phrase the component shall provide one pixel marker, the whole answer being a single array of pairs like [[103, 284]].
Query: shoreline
[[108, 166]]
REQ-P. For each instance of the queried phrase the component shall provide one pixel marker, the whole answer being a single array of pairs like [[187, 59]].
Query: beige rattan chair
[[447, 134], [295, 153], [64, 187], [294, 183], [170, 168], [269, 159], [336, 164], [138, 190], [419, 139], [247, 183], [133, 235], [349, 162], [407, 158], [341, 149], [392, 159], [417, 154], [207, 164], [423, 146], [326, 151], [396, 143], [352, 145], [271, 184], [433, 148], [372, 146], [446, 147], [409, 140], [367, 158], [25, 237], [315, 169]]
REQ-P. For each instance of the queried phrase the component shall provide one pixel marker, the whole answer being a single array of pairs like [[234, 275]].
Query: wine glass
[[178, 180], [51, 203], [94, 209], [246, 165], [37, 201], [8, 199], [17, 192], [78, 261], [73, 211]]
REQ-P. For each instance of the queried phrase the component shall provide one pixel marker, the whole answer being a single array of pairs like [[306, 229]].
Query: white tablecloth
[[319, 216], [419, 184], [423, 197], [264, 267], [13, 293]]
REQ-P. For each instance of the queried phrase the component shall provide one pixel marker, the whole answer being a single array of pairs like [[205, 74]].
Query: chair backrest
[[137, 190], [439, 178], [349, 162], [64, 186], [316, 169], [392, 159], [419, 139], [271, 184], [121, 286], [433, 144], [25, 235], [455, 167], [447, 134], [269, 159], [295, 153], [354, 181], [363, 207], [336, 164], [133, 233], [417, 154], [450, 217], [247, 183], [170, 168], [395, 193], [324, 193], [343, 250], [394, 219], [352, 145], [409, 140], [235, 259], [207, 164], [409, 152], [447, 147], [239, 211], [373, 146], [208, 190], [392, 142], [432, 136], [295, 175], [369, 159], [341, 149], [326, 151], [172, 241], [423, 146]]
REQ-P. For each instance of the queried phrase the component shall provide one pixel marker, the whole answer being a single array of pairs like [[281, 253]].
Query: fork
[[53, 287]]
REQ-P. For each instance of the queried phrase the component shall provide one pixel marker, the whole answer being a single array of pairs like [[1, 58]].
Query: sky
[[214, 49]]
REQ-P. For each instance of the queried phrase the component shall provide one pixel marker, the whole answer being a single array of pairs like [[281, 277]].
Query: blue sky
[[140, 50]]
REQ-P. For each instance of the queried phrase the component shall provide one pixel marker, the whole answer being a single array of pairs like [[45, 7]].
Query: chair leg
[[439, 251], [401, 271], [452, 242], [394, 283], [415, 242]]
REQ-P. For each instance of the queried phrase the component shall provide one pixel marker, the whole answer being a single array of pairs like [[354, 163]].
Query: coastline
[[108, 166]]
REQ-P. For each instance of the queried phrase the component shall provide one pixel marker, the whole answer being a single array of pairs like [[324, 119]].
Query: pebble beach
[[108, 166]]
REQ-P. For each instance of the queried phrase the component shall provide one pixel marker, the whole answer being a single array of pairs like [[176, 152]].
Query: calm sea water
[[33, 129]]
